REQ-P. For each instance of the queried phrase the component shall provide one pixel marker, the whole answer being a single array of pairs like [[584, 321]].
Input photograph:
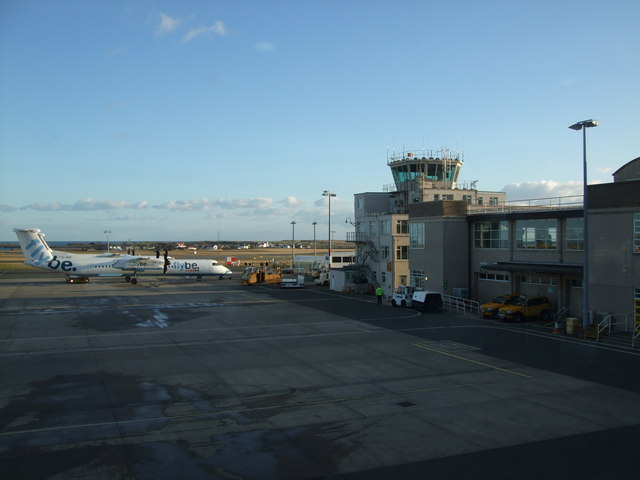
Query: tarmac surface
[[212, 380]]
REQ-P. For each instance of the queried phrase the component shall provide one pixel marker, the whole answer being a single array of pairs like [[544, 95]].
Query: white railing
[[561, 314], [460, 304], [608, 322], [549, 203]]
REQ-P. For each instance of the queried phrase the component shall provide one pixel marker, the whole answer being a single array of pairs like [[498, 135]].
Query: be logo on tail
[[65, 266]]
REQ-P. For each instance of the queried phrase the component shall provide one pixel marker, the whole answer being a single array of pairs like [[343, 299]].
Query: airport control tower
[[432, 175]]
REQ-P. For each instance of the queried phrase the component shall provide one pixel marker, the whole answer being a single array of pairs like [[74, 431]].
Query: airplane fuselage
[[94, 265]]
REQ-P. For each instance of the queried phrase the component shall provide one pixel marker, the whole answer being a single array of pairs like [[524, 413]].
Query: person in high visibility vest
[[379, 294]]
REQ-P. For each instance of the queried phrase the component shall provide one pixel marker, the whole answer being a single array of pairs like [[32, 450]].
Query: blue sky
[[185, 120]]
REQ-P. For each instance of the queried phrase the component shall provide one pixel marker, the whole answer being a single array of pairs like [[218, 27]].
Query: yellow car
[[526, 308], [490, 309]]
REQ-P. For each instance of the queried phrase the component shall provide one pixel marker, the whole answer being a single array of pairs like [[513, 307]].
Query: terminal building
[[436, 233]]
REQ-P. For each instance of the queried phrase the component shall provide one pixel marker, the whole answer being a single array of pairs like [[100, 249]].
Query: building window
[[417, 278], [538, 234], [574, 233], [385, 252], [448, 196], [402, 252], [385, 225], [401, 227], [372, 227], [467, 198], [494, 277], [491, 234], [493, 200], [359, 203], [416, 235], [636, 233], [436, 197], [383, 277], [537, 280]]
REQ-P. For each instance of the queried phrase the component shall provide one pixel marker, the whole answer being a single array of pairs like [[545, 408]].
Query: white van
[[427, 301]]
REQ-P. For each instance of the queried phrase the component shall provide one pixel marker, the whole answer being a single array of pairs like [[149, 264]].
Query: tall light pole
[[585, 222], [327, 193], [314, 238], [293, 242], [108, 247]]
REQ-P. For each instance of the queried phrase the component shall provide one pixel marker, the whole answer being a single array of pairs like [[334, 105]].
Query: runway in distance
[[79, 267]]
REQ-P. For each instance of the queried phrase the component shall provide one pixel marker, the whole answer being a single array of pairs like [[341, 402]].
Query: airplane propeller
[[166, 262]]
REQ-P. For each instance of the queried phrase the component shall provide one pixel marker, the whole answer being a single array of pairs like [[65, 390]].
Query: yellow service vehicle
[[490, 309], [254, 275]]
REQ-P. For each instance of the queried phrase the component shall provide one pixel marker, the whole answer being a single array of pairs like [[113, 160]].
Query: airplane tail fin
[[34, 247]]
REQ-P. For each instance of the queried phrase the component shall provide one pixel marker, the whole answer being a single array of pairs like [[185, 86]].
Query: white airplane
[[79, 267]]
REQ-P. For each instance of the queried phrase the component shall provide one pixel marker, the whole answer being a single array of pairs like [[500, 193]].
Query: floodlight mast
[[329, 194], [586, 320], [314, 238], [293, 243]]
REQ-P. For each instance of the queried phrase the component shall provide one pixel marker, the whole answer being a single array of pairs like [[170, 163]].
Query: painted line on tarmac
[[237, 411], [476, 362], [176, 344]]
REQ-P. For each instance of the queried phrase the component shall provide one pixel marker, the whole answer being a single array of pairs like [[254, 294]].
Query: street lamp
[[314, 238], [327, 193], [293, 242], [108, 232], [585, 222]]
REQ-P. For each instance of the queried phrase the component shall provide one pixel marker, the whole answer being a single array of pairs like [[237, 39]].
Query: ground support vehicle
[[254, 275], [527, 308], [83, 279], [403, 296], [490, 309], [292, 278], [322, 279], [427, 301]]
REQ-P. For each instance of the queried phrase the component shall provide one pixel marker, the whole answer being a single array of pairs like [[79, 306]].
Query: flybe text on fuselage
[[184, 267]]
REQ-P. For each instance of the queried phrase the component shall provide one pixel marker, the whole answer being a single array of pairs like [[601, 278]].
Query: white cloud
[[265, 47], [218, 27], [542, 189], [167, 24], [258, 204], [85, 204]]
